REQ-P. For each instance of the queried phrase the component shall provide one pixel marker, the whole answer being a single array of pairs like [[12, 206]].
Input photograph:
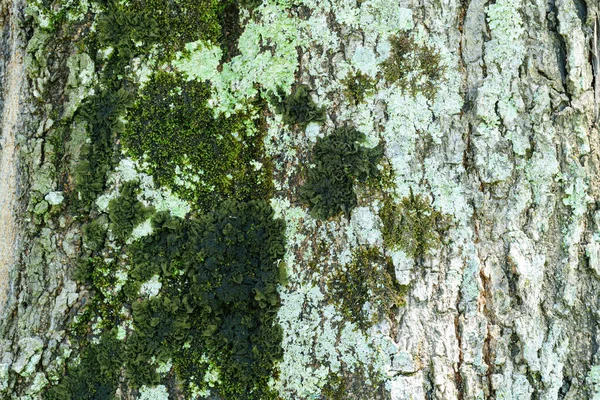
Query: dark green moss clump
[[126, 211], [340, 161], [184, 21], [369, 278], [103, 114], [217, 306], [358, 86], [96, 376], [94, 234], [220, 275], [250, 4], [175, 128], [415, 68], [413, 225], [128, 31], [298, 107]]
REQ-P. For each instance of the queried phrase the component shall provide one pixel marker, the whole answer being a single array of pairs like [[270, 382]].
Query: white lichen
[[153, 393], [151, 287]]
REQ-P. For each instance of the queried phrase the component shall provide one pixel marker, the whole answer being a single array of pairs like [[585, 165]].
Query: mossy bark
[[504, 307]]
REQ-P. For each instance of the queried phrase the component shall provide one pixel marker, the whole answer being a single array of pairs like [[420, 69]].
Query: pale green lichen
[[497, 99], [141, 230], [153, 393], [162, 199], [202, 61], [575, 188], [272, 67], [164, 367], [315, 345], [54, 198], [593, 380], [366, 226], [366, 61], [151, 287], [41, 15], [121, 333], [80, 81]]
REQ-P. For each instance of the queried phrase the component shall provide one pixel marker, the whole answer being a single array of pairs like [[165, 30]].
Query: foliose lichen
[[340, 161]]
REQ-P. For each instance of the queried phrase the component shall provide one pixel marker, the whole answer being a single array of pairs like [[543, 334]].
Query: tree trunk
[[500, 140]]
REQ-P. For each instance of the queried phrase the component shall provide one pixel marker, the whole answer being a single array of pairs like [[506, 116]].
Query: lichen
[[593, 380], [270, 68], [153, 393], [298, 107], [340, 162]]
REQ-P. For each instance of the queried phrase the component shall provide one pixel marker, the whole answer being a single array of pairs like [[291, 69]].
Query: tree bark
[[508, 149]]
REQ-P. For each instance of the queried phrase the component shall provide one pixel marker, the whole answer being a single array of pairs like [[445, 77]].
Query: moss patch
[[340, 162], [96, 376], [220, 273], [413, 225], [369, 278], [94, 234], [218, 270], [203, 158], [126, 211], [298, 108], [184, 21], [413, 67], [358, 86], [103, 114], [216, 309]]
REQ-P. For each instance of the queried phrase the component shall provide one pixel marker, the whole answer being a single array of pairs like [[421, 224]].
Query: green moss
[[95, 377], [250, 4], [220, 274], [231, 29], [100, 275], [218, 303], [183, 21], [132, 30], [103, 113], [219, 269], [175, 128], [358, 86], [126, 211], [94, 233], [128, 30], [414, 68], [369, 278], [413, 225], [298, 107], [340, 162]]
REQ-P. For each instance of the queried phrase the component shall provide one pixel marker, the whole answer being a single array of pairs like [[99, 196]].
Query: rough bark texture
[[506, 308], [38, 294]]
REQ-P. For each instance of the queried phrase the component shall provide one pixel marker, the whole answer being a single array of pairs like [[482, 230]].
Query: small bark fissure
[[582, 11]]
